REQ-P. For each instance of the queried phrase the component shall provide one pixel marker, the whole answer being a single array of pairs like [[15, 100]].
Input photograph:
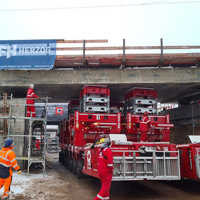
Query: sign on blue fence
[[27, 54], [55, 111]]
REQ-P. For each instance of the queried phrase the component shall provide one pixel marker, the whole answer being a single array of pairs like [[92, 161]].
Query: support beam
[[132, 60], [81, 41], [112, 48], [104, 76]]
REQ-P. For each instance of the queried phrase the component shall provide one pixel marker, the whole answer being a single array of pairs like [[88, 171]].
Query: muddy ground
[[61, 184]]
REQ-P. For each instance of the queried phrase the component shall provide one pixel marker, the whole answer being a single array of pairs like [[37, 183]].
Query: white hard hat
[[31, 85]]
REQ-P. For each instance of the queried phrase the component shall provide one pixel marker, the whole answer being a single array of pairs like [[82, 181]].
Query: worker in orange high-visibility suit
[[30, 101], [105, 169], [7, 162], [144, 127]]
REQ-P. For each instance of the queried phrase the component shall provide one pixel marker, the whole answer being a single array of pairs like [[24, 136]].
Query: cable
[[102, 6]]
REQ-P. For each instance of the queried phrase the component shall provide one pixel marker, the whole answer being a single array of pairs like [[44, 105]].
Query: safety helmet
[[102, 140], [31, 86], [146, 113], [8, 142]]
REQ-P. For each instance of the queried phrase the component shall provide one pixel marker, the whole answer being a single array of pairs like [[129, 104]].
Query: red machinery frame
[[156, 159], [190, 160]]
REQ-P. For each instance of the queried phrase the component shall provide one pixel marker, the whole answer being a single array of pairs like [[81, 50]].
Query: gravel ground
[[61, 184]]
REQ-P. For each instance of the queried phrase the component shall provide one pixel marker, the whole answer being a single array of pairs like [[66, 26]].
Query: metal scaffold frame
[[27, 135]]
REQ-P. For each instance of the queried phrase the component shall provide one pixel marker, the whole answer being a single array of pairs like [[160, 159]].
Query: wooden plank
[[131, 59], [121, 48], [119, 56], [81, 41], [182, 47]]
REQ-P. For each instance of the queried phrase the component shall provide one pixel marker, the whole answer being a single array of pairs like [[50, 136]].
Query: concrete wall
[[17, 107], [185, 114], [180, 132], [17, 126], [186, 120], [103, 76]]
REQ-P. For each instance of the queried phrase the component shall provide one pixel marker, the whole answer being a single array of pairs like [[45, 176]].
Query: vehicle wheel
[[66, 159], [79, 168], [70, 166], [61, 157], [74, 166]]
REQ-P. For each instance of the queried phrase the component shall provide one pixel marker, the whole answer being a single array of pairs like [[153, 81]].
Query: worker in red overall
[[144, 127], [38, 144], [30, 101], [105, 170]]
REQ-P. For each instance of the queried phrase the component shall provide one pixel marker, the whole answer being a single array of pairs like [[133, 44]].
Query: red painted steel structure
[[190, 161], [158, 129], [84, 128], [155, 159], [91, 89]]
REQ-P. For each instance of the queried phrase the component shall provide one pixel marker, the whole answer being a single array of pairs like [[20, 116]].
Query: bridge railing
[[78, 54]]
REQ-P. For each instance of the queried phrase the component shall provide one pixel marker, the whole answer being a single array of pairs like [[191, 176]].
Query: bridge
[[176, 76]]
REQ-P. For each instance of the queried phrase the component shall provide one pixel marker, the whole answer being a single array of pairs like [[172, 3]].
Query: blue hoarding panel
[[27, 54]]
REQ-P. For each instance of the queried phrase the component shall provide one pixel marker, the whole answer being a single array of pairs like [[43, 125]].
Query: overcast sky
[[140, 24]]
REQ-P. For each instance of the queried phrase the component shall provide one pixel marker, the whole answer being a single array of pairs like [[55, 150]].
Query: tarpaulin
[[27, 54]]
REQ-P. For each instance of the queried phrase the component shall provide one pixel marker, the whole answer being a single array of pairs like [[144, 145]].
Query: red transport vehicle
[[154, 159], [137, 102], [84, 127], [190, 158]]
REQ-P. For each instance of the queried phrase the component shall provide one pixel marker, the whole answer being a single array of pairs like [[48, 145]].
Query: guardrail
[[160, 165], [123, 59]]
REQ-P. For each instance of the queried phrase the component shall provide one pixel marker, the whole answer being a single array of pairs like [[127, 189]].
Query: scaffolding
[[31, 146]]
